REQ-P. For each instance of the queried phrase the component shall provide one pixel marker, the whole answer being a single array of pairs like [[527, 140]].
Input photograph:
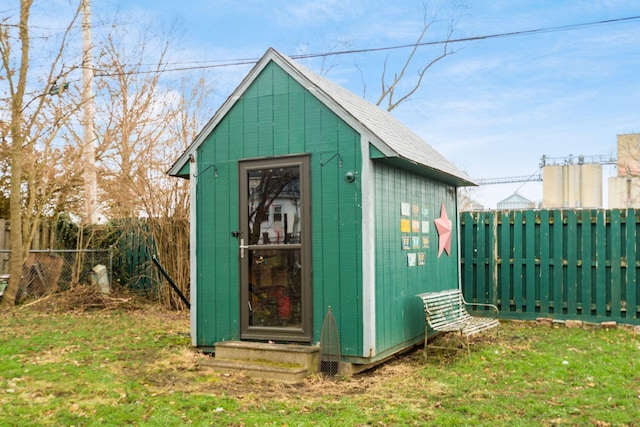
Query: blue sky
[[493, 108]]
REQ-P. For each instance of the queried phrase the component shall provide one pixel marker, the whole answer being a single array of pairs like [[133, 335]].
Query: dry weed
[[81, 298]]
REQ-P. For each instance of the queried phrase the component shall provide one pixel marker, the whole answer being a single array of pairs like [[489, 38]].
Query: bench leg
[[426, 341], [468, 348]]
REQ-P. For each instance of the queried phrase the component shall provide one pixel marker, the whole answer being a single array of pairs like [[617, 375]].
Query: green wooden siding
[[564, 264], [399, 314], [276, 116]]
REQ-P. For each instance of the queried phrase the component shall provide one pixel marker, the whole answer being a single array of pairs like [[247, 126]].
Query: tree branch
[[388, 91]]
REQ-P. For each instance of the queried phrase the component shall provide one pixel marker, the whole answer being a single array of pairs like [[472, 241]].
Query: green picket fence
[[563, 264]]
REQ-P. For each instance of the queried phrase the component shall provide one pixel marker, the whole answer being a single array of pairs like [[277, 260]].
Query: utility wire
[[475, 38], [251, 61]]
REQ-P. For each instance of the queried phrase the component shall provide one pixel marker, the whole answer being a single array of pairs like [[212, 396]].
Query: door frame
[[271, 333]]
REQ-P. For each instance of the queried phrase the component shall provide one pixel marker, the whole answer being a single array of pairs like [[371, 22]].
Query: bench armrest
[[492, 306]]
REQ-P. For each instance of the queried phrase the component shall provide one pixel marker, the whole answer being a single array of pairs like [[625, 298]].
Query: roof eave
[[430, 172]]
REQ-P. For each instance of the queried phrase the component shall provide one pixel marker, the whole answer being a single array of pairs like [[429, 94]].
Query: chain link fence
[[49, 271]]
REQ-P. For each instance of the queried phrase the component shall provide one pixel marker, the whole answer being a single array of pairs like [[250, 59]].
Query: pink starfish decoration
[[443, 225]]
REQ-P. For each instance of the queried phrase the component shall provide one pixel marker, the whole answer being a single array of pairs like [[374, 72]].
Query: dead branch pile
[[87, 298]]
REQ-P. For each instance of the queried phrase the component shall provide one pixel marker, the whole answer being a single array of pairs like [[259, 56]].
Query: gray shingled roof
[[391, 137], [391, 132]]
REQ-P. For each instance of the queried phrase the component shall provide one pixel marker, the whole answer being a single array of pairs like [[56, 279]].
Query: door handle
[[242, 248]]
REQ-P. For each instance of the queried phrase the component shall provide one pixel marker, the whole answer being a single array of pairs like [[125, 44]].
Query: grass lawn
[[137, 367]]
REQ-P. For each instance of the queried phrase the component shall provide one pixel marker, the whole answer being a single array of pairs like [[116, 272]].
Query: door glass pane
[[275, 287], [274, 205]]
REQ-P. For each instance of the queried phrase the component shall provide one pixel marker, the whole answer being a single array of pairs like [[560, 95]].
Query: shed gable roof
[[391, 138]]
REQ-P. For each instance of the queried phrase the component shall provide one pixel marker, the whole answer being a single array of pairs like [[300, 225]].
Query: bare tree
[[465, 199], [133, 135], [392, 92], [146, 120], [32, 116]]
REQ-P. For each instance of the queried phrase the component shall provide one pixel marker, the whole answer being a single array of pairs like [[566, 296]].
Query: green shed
[[305, 196]]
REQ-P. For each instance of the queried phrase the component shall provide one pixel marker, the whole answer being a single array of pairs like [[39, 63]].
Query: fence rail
[[564, 264]]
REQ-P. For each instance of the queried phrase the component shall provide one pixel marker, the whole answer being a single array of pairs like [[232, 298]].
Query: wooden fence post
[[631, 271], [532, 261]]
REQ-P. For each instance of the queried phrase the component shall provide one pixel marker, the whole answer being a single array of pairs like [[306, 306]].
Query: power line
[[251, 61], [475, 38]]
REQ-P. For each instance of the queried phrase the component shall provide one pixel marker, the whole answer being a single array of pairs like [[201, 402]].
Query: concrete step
[[307, 356], [258, 369], [281, 362]]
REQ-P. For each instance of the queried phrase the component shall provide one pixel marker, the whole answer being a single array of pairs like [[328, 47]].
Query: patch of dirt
[[181, 371], [313, 388]]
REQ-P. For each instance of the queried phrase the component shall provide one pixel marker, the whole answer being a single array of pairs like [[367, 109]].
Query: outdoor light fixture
[[350, 176]]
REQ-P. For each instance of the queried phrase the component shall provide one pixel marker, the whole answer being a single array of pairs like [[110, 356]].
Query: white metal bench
[[446, 311]]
